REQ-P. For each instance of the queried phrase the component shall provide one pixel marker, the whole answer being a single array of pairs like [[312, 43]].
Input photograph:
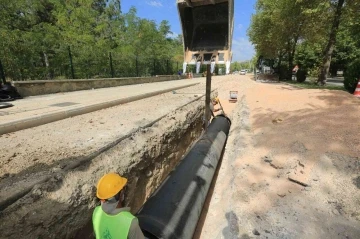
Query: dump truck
[[207, 27]]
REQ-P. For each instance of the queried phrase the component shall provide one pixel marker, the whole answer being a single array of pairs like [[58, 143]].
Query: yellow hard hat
[[109, 185], [216, 99]]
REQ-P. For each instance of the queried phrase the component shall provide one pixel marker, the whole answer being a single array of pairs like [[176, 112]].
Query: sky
[[159, 10]]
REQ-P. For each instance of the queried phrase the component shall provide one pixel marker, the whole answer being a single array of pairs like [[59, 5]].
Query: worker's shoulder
[[135, 231], [127, 214], [134, 221]]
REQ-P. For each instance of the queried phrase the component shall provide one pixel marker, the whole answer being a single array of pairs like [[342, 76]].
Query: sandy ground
[[279, 132], [38, 110], [42, 147]]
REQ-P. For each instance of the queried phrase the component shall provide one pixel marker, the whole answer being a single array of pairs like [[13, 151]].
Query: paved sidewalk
[[38, 110]]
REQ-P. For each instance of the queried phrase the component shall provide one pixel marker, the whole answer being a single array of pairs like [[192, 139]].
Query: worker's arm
[[135, 231]]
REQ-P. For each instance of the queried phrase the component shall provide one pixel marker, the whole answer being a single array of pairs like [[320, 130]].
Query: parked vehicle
[[243, 72]]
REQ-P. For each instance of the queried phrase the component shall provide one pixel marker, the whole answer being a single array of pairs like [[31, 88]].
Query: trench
[[150, 176], [199, 167], [64, 207], [175, 208], [146, 176]]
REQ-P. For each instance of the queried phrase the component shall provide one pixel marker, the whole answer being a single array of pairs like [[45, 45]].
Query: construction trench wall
[[62, 206]]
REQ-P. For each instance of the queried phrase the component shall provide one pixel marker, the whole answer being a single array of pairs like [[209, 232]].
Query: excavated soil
[[280, 132], [48, 175]]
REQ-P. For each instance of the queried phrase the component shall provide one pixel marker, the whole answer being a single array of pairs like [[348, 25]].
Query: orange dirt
[[278, 132]]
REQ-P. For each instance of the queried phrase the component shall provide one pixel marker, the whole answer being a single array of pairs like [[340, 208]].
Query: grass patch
[[310, 85]]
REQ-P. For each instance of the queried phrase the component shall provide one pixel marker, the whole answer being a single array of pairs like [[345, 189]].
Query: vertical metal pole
[[71, 64], [207, 96], [111, 65], [137, 68], [167, 67], [2, 73]]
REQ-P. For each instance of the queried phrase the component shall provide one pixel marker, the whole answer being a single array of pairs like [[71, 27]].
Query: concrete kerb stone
[[34, 121]]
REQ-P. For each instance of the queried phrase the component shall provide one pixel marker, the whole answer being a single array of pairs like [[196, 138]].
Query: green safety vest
[[111, 226]]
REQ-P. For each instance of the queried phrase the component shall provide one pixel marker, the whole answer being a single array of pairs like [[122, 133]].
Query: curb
[[34, 121]]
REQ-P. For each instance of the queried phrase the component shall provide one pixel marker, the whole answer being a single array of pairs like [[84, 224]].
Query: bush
[[314, 72], [352, 76], [301, 75]]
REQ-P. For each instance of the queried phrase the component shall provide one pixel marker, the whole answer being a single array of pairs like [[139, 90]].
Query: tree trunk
[[324, 68], [2, 73], [280, 61], [290, 66], [46, 61], [291, 55]]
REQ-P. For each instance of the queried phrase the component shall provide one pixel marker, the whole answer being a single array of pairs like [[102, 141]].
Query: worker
[[214, 101], [112, 219]]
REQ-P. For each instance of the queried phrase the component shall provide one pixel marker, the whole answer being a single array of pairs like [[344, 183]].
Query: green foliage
[[35, 37], [314, 72], [352, 76], [347, 48], [277, 28], [237, 66], [308, 55], [298, 32]]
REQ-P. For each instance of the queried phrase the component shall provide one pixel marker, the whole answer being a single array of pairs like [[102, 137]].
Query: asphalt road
[[338, 81]]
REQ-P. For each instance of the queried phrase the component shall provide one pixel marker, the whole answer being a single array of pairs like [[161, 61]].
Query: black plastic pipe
[[173, 210]]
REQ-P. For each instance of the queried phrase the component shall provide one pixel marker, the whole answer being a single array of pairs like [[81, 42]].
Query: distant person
[[112, 220], [214, 102]]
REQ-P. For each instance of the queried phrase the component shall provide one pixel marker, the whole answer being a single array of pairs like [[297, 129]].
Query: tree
[[316, 34], [36, 35], [235, 66], [276, 29], [328, 51]]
